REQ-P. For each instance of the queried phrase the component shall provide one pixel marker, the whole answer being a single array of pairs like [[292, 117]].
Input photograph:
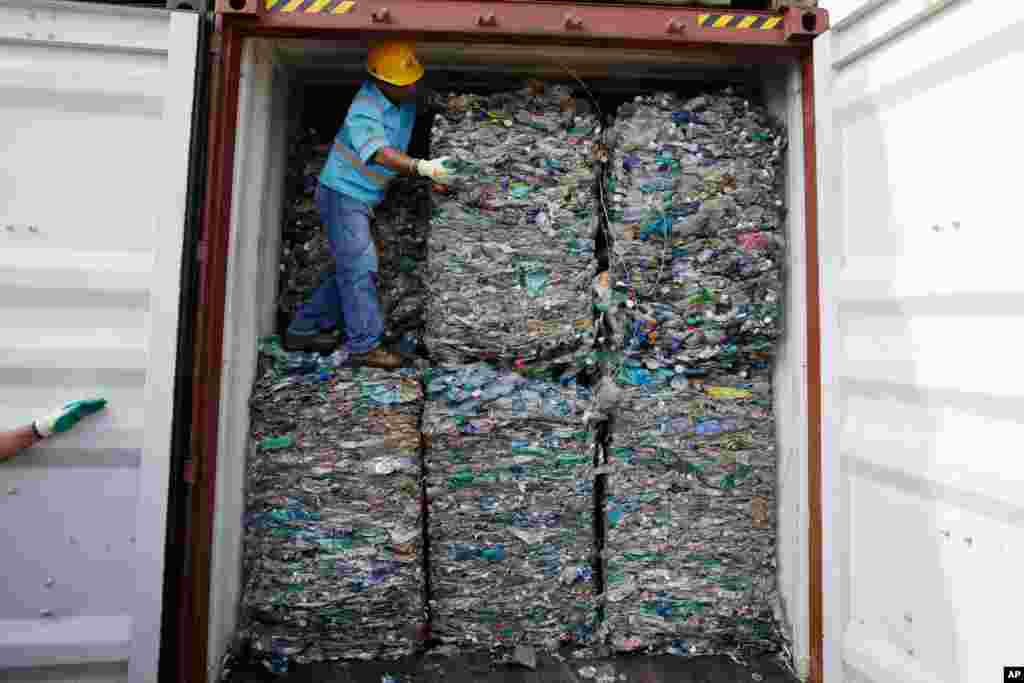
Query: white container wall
[[270, 73], [95, 114], [919, 110]]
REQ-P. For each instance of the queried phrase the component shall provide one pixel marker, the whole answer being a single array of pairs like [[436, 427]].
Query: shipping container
[[142, 207]]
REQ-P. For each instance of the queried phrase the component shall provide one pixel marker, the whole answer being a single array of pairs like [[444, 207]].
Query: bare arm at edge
[[14, 441], [397, 161]]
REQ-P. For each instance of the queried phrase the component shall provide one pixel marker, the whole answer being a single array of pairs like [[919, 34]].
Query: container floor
[[480, 669]]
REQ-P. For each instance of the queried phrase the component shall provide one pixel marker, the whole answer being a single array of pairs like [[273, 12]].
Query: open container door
[[918, 116], [96, 111]]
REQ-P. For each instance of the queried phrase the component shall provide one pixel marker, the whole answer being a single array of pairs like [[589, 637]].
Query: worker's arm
[[403, 164], [396, 160], [370, 141], [16, 440]]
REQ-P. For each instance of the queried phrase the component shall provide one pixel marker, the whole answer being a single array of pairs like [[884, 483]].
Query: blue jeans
[[351, 295]]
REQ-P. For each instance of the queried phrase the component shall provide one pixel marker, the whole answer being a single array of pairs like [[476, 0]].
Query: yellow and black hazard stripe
[[738, 22], [310, 6]]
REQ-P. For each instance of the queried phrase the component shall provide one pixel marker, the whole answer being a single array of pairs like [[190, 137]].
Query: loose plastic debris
[[401, 225], [511, 255], [510, 464], [333, 528], [526, 656], [305, 253], [695, 211]]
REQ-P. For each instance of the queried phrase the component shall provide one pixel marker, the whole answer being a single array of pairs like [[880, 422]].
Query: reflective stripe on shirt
[[378, 179]]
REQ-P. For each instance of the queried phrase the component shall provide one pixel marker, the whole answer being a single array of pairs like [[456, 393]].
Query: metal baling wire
[[661, 263], [604, 206], [629, 275], [613, 260]]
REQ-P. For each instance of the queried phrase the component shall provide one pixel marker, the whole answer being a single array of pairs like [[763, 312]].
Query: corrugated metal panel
[[94, 123], [919, 152]]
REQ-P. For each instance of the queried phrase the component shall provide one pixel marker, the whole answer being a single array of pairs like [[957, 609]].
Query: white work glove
[[67, 418], [435, 170]]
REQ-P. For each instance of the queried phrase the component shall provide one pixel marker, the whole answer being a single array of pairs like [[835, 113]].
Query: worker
[[15, 441], [368, 152]]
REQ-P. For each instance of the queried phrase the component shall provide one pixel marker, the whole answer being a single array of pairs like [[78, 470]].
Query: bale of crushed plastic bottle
[[333, 528], [509, 465], [690, 513], [511, 252], [696, 252], [695, 220]]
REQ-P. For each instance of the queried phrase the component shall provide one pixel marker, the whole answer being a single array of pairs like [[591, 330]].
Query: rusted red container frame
[[815, 581], [209, 356], [517, 20], [631, 31]]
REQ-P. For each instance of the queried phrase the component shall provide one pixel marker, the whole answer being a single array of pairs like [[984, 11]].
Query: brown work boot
[[378, 358]]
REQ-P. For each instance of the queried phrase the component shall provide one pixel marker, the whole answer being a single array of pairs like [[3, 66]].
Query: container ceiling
[[328, 61]]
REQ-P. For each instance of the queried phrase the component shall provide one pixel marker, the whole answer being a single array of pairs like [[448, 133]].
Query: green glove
[[73, 412]]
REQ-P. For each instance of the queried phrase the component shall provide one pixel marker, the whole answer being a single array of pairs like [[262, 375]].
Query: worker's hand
[[73, 412], [435, 170]]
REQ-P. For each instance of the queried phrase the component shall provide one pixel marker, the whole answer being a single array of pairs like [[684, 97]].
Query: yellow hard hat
[[395, 62]]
